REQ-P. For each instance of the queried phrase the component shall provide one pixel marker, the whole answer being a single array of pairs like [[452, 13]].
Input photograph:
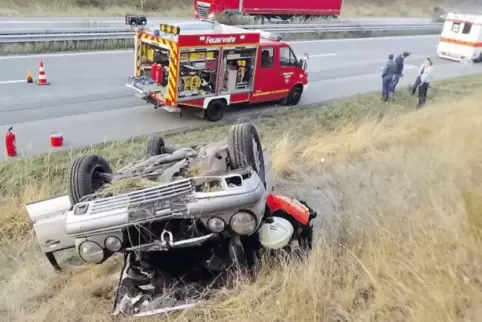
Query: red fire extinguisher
[[10, 143], [154, 72]]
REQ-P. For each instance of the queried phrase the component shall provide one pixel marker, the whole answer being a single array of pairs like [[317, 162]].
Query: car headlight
[[216, 225], [113, 244], [91, 252], [243, 223]]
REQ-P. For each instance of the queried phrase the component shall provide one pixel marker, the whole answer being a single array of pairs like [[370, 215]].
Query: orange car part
[[293, 207]]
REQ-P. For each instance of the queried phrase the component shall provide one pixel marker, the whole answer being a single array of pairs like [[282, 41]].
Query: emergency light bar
[[170, 29], [270, 35]]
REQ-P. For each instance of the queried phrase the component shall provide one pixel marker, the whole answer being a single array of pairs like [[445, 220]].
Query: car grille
[[161, 195], [203, 9]]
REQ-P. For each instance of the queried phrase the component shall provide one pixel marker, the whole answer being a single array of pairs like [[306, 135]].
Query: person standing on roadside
[[387, 74], [424, 79], [399, 61]]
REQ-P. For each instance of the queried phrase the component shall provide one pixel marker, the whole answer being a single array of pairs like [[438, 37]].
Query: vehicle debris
[[184, 218]]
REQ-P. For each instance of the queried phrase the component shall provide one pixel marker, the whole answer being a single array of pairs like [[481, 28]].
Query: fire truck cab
[[209, 66], [461, 38]]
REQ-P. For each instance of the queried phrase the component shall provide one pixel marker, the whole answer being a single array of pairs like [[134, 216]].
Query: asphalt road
[[88, 103], [11, 23]]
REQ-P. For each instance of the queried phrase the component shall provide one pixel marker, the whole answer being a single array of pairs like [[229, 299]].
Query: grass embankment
[[183, 8], [398, 191]]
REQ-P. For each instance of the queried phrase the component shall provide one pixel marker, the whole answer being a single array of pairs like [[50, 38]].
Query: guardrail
[[115, 33]]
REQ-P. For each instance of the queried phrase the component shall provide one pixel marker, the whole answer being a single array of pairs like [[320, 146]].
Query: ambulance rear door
[[459, 39]]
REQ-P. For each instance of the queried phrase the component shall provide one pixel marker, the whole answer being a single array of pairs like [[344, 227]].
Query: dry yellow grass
[[399, 238], [183, 8]]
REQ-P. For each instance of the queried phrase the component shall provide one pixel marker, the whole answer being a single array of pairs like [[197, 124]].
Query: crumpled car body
[[183, 226]]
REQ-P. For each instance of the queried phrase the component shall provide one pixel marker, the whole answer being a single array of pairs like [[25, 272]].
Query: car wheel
[[155, 145], [86, 176], [215, 110], [245, 150], [294, 96]]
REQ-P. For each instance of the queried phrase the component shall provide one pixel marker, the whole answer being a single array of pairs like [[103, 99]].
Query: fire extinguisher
[[158, 74], [10, 143], [154, 72]]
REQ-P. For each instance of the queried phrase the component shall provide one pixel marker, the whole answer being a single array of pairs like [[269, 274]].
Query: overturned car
[[184, 218]]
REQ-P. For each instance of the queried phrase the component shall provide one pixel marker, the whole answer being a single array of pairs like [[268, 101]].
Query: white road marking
[[13, 81], [104, 53], [361, 39], [68, 54], [323, 55], [290, 42]]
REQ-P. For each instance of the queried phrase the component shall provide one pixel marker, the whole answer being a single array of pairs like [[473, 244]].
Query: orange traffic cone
[[42, 79], [29, 77]]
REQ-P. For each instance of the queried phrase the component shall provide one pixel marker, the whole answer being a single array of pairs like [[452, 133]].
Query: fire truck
[[207, 66]]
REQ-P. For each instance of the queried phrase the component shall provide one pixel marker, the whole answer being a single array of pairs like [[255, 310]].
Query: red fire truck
[[208, 66], [283, 9]]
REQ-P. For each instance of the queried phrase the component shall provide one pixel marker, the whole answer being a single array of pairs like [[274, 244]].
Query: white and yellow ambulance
[[461, 37]]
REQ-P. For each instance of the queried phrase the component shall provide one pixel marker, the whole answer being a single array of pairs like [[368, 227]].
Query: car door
[[289, 68], [269, 80]]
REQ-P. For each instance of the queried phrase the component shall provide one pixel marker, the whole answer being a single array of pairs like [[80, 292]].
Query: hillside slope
[[399, 238]]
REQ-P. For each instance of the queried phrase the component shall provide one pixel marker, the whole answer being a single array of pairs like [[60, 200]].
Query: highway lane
[[92, 22], [92, 105], [94, 82]]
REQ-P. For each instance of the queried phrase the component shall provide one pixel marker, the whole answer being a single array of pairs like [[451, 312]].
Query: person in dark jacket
[[399, 61], [388, 71]]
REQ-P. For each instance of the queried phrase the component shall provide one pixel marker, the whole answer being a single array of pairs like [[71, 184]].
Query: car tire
[[215, 110], [294, 96], [84, 176], [155, 145], [245, 150]]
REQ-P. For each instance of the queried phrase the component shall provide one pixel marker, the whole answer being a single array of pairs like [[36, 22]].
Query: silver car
[[187, 197]]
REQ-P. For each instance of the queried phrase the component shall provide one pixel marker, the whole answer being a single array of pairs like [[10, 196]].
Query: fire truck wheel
[[85, 176], [294, 96], [245, 150], [215, 110], [155, 144]]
